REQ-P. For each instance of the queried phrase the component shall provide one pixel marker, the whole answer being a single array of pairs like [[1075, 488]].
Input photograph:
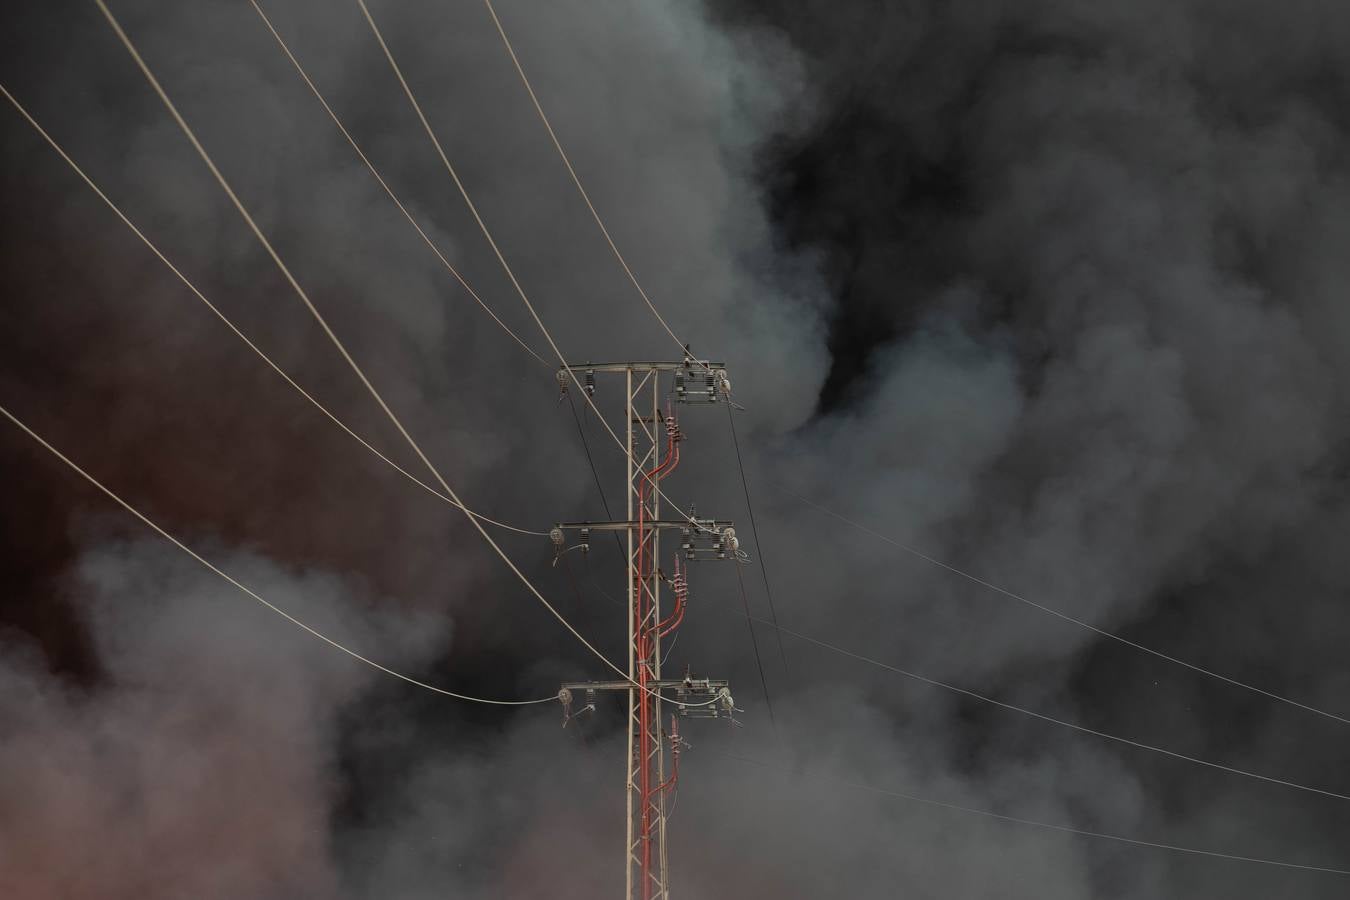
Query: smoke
[[203, 761], [1048, 290]]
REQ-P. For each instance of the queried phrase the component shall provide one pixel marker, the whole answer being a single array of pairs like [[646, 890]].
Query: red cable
[[644, 648], [674, 756], [681, 590]]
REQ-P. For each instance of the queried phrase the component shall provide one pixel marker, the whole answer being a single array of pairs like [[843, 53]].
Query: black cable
[[586, 445], [754, 641], [754, 530]]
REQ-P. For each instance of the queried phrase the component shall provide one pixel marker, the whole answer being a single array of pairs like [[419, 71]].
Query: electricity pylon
[[650, 458]]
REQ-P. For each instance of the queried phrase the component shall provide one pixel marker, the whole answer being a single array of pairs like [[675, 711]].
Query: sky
[[1046, 290]]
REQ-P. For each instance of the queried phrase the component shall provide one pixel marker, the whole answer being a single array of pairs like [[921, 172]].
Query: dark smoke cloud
[[1047, 289]]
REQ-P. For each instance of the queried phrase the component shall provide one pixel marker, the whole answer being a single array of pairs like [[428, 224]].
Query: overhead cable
[[595, 214], [754, 641], [1082, 729], [337, 342], [383, 184], [240, 334], [501, 257], [1068, 618], [402, 208], [795, 776], [595, 474], [576, 180], [249, 591], [754, 530]]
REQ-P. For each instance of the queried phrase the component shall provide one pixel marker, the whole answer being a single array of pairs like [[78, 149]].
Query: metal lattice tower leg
[[647, 876], [653, 442]]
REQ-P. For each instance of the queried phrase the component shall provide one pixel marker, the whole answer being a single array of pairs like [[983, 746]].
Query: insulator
[[564, 379], [590, 382], [565, 698], [724, 695], [730, 540], [556, 536], [723, 382]]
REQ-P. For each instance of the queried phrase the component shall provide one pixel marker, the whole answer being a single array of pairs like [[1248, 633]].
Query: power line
[[754, 530], [754, 641], [397, 202], [1015, 820], [497, 251], [1066, 617], [1082, 729], [389, 191], [402, 207], [618, 542], [240, 334], [575, 178], [273, 607], [482, 225], [332, 336], [586, 446], [600, 489]]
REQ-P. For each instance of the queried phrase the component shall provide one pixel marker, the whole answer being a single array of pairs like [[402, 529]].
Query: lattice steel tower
[[653, 440]]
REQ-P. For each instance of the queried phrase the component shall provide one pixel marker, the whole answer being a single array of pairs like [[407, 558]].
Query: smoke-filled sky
[[1048, 290]]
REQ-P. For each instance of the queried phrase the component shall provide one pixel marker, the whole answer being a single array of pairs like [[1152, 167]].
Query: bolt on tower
[[653, 443]]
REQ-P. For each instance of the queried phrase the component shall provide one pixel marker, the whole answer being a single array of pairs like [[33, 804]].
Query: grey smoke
[[202, 764]]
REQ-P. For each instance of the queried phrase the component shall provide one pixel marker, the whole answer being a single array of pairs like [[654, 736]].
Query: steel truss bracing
[[653, 439], [646, 761]]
